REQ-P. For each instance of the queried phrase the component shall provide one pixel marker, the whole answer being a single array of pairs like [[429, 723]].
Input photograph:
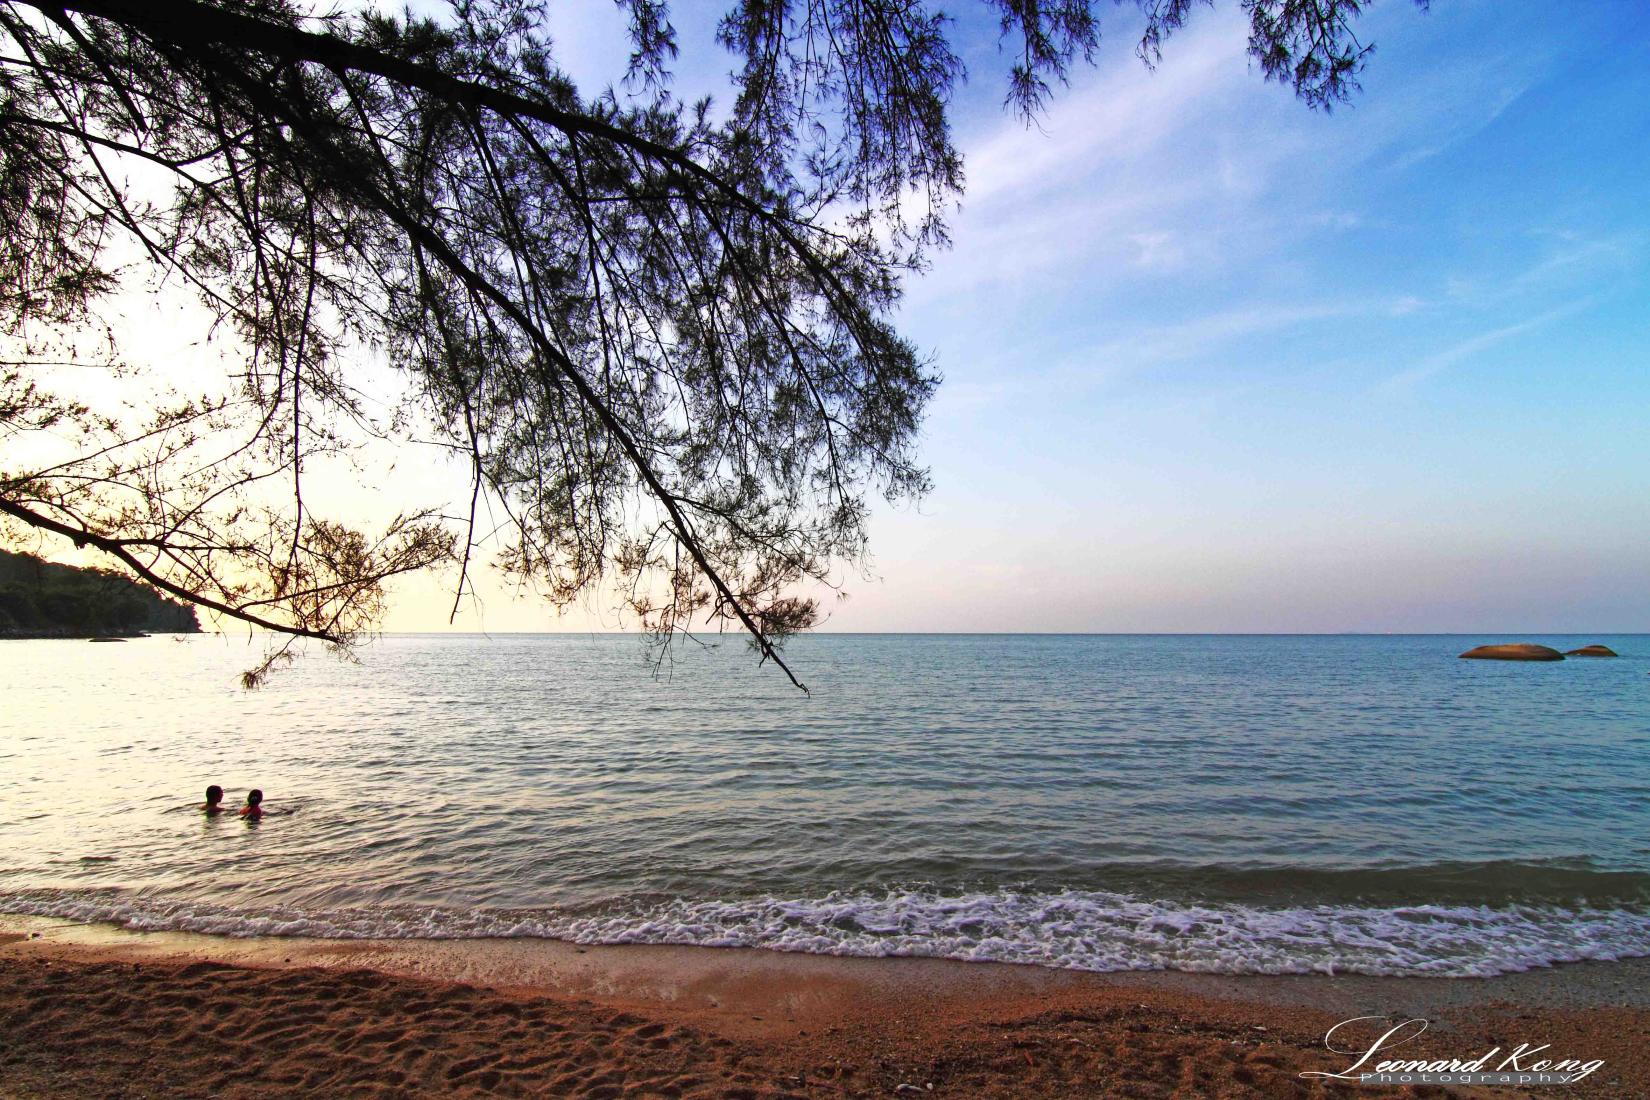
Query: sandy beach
[[89, 1010]]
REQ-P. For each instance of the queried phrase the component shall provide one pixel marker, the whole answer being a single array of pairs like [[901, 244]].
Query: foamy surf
[[1074, 930]]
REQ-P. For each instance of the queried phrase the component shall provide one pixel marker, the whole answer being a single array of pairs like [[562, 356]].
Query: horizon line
[[1024, 633]]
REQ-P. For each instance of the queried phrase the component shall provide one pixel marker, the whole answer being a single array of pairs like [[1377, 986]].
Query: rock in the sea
[[1592, 651], [1523, 651]]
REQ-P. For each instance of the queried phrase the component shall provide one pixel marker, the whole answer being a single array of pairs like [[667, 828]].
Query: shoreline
[[641, 971], [967, 1028]]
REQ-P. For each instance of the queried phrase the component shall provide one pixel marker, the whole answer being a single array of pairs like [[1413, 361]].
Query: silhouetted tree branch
[[660, 339]]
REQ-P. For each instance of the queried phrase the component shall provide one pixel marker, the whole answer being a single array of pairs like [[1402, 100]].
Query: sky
[[1216, 362]]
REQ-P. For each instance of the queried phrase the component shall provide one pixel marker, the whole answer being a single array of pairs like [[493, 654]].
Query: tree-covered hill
[[40, 597]]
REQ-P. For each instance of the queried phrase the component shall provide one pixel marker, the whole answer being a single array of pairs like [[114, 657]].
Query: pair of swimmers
[[254, 807]]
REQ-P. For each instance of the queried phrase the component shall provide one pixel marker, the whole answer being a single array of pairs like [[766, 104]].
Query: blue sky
[[1215, 362]]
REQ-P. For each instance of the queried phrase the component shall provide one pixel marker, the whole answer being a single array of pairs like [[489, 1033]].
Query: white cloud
[[1472, 346], [1159, 251], [1199, 152]]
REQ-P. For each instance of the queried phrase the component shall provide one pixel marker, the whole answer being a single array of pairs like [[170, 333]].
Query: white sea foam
[[1078, 930]]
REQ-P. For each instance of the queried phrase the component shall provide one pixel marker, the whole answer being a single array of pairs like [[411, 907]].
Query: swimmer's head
[[214, 795], [254, 796]]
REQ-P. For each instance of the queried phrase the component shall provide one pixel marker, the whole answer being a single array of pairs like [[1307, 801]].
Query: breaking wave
[[1068, 929]]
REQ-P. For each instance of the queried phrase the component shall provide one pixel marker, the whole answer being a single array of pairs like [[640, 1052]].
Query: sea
[[1219, 803]]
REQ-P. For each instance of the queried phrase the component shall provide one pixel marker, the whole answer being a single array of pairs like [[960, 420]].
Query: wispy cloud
[[1199, 153], [1198, 336], [1578, 256], [1471, 347], [1159, 251], [1564, 261]]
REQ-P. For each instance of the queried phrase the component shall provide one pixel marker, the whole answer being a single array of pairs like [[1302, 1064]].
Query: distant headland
[[41, 599]]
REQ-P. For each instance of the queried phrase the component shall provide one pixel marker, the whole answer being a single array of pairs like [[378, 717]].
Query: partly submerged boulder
[[1592, 651], [1523, 651]]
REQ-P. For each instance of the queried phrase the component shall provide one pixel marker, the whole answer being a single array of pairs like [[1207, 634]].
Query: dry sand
[[90, 1011]]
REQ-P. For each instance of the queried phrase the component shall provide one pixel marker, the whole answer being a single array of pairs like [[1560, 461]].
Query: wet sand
[[90, 1010]]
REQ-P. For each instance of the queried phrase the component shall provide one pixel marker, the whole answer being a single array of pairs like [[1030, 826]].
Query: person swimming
[[254, 804], [214, 799]]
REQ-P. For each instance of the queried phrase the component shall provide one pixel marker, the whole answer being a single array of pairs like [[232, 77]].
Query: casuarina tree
[[658, 334]]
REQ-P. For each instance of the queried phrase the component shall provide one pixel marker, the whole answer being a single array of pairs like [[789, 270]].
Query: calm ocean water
[[1222, 803]]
